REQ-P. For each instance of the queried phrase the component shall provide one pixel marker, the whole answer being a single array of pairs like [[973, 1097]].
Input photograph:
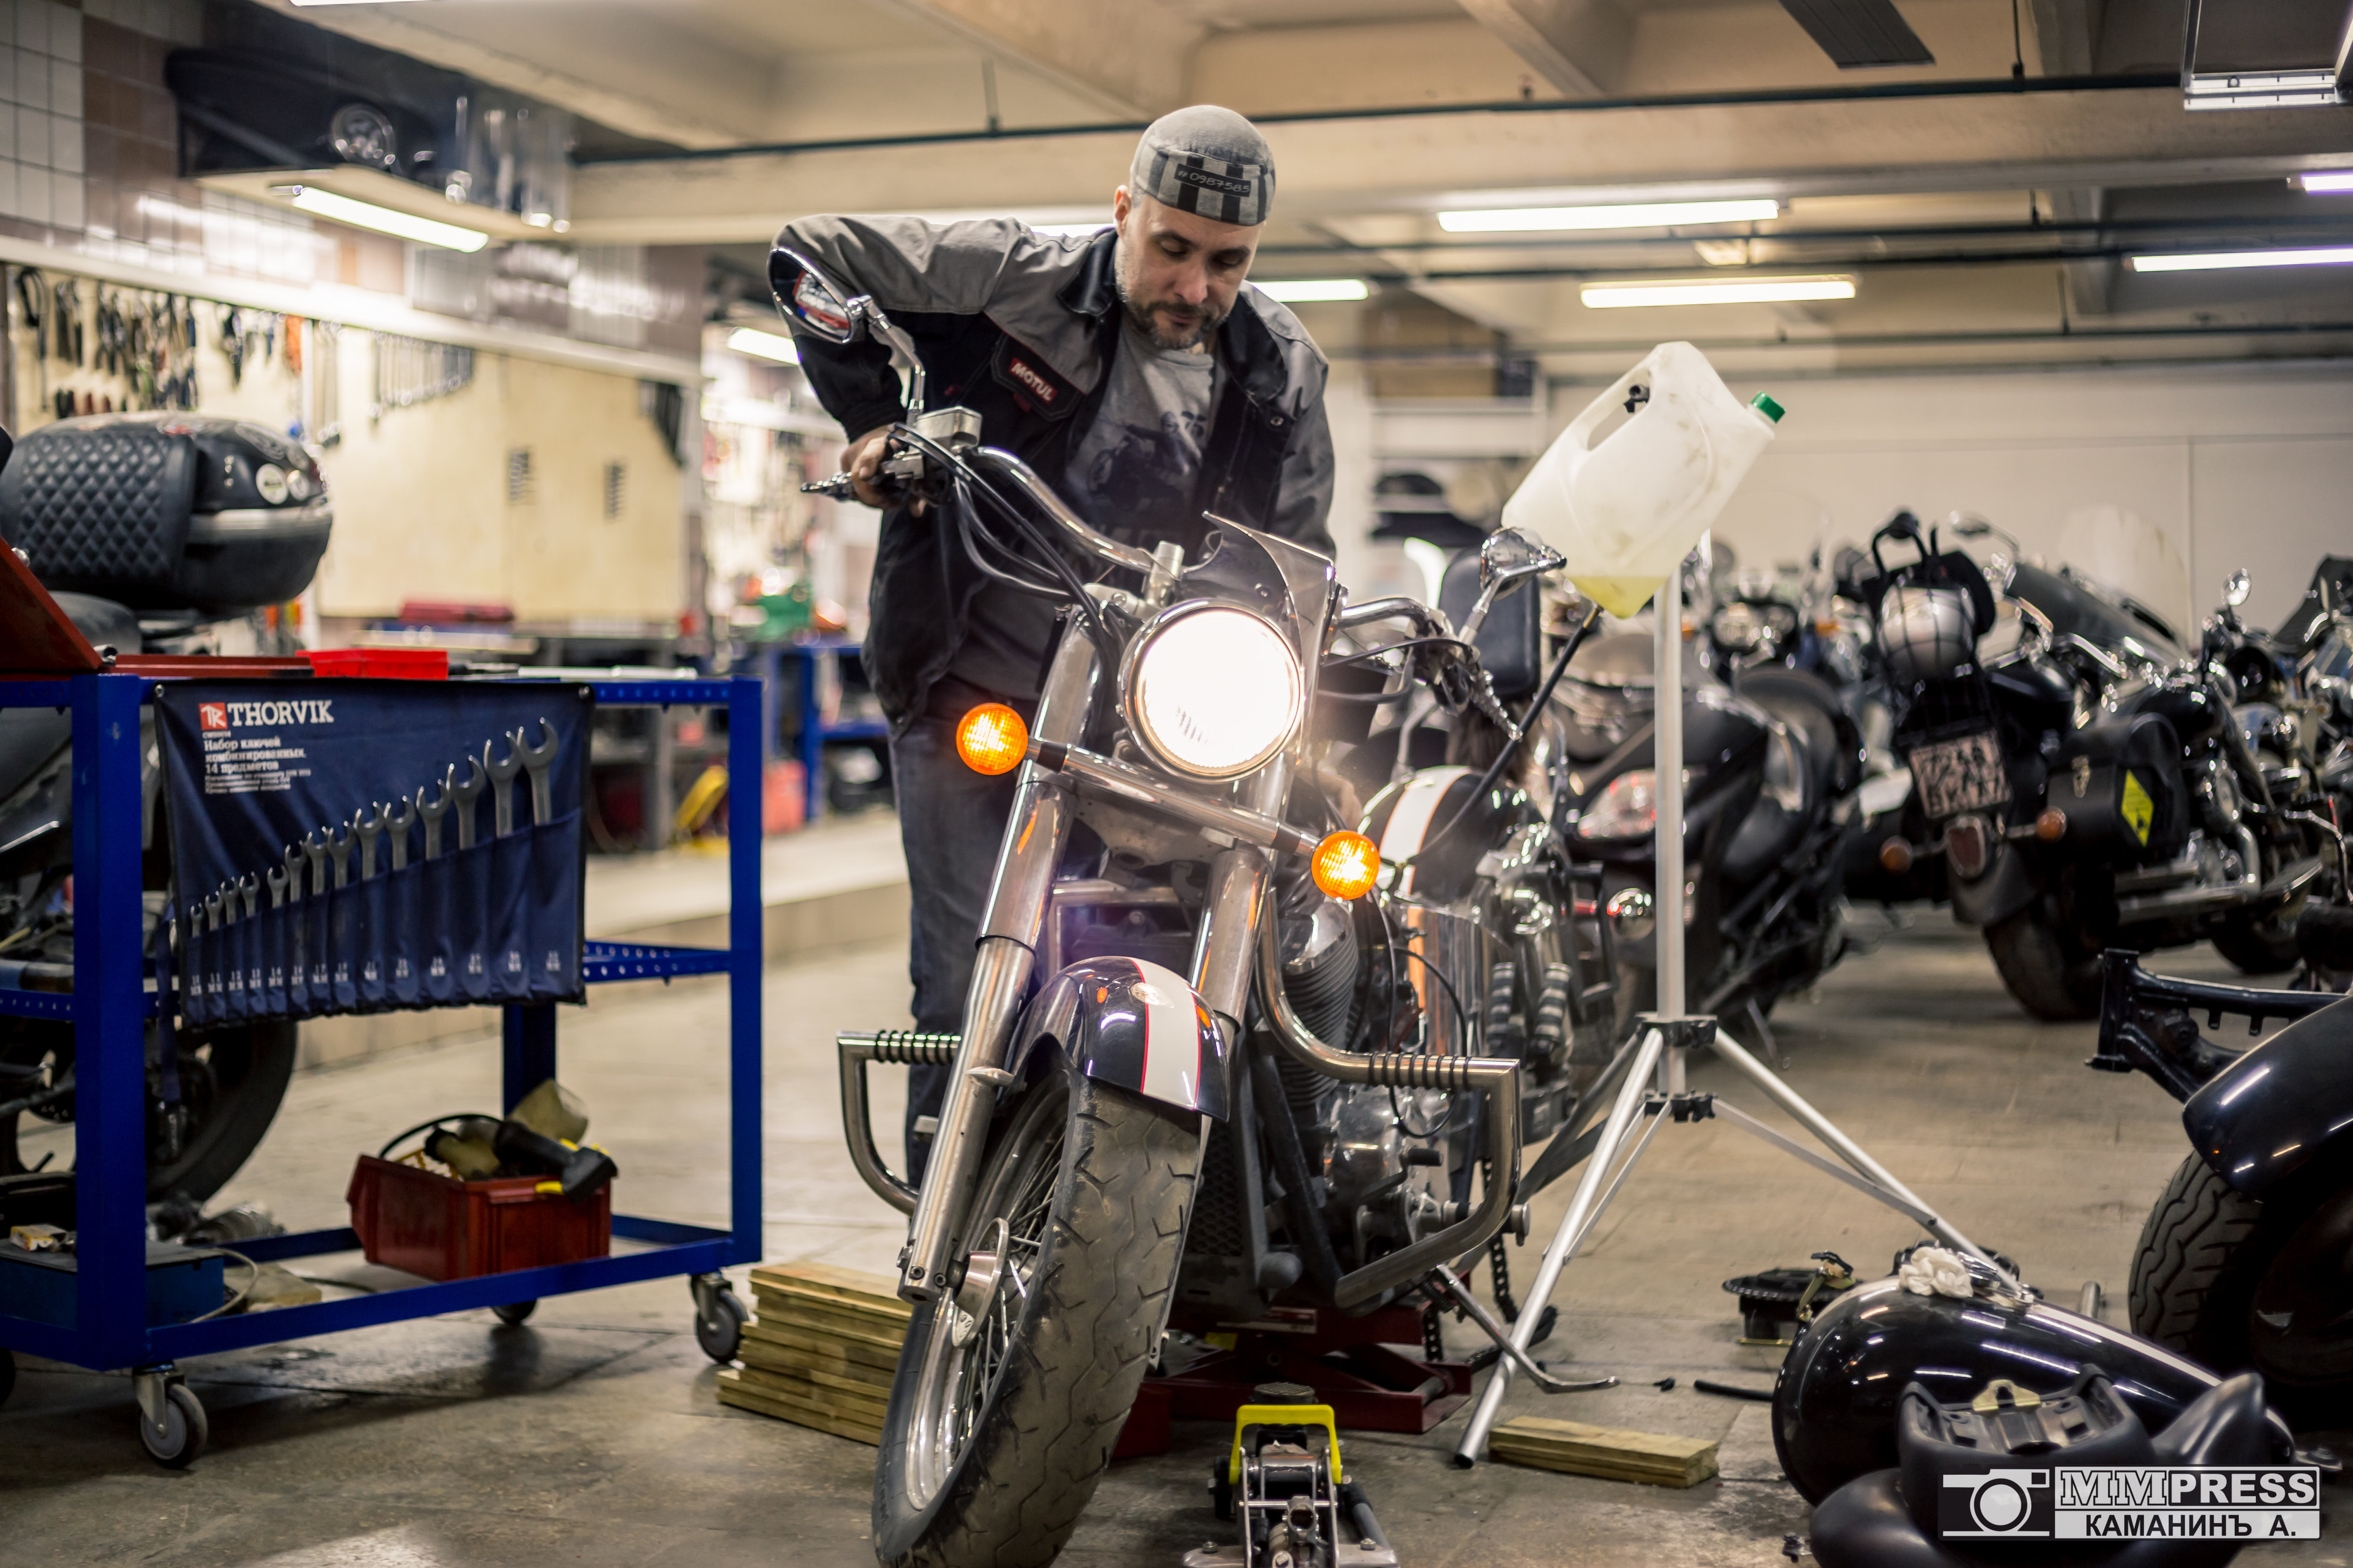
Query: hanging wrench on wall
[[502, 777], [398, 816], [434, 810], [541, 761], [465, 791]]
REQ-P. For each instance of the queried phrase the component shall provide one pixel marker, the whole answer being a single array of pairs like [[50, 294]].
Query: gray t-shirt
[[1132, 474]]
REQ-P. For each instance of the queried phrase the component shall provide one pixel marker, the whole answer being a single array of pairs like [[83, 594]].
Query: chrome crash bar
[[902, 1047], [1496, 1081]]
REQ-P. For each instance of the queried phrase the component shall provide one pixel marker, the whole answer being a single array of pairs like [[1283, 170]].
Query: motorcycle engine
[[1383, 1159]]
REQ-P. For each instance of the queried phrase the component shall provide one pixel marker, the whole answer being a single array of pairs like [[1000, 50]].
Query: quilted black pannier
[[166, 511]]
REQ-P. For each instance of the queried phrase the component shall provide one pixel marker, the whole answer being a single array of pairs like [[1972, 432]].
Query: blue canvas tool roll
[[283, 909]]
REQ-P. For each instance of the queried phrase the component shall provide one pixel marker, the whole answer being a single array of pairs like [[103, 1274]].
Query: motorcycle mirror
[[1512, 554], [2236, 588], [1509, 557], [825, 309], [805, 293]]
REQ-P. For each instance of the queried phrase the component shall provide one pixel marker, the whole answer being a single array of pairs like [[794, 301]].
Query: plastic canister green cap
[[1763, 403]]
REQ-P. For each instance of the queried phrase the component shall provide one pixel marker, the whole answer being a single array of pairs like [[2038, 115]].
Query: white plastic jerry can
[[1626, 511]]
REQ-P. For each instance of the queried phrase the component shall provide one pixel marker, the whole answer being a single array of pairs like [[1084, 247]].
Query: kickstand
[[1766, 1037]]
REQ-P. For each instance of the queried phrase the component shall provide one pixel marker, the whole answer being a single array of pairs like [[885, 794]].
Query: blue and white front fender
[[1126, 1021]]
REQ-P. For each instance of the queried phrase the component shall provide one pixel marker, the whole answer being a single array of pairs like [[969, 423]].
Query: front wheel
[[2265, 946], [2267, 1287], [992, 1447], [2048, 966]]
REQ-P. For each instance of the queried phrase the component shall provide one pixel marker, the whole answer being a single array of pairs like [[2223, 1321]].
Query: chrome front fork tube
[[1038, 828], [1225, 950]]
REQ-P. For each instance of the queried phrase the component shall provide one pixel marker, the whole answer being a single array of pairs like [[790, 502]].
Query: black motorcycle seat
[[1808, 706]]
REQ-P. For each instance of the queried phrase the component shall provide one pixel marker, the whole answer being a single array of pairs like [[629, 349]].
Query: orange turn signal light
[[992, 739], [2050, 825], [1896, 857], [1345, 865]]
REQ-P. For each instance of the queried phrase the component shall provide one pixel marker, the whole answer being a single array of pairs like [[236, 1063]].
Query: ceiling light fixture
[[2325, 182], [1307, 290], [2224, 260], [1715, 292], [384, 220], [1637, 214], [764, 345]]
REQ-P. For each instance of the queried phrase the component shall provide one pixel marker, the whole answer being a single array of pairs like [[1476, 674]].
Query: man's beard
[[1154, 321]]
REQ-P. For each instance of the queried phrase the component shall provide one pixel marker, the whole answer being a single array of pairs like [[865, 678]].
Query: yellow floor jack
[[1282, 1480]]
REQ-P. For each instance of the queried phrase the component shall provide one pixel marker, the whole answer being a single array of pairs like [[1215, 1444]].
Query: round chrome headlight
[[1213, 690]]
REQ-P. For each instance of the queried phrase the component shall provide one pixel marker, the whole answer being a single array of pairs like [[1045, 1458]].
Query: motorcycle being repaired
[[1197, 1072]]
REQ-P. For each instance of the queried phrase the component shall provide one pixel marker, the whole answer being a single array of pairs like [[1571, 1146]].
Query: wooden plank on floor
[[744, 1394], [813, 1313], [845, 1287], [857, 1404], [1610, 1453], [883, 1358], [815, 1366]]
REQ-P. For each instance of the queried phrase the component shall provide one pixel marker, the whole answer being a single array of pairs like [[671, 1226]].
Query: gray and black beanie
[[1209, 161]]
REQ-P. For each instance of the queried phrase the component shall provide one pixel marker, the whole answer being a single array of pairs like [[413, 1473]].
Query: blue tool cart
[[116, 992]]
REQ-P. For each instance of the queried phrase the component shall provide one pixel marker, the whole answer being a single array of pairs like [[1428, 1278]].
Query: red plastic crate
[[382, 663], [411, 1219]]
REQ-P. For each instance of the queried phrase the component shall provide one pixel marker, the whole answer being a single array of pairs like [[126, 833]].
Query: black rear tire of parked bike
[[2239, 1285], [2044, 965], [1095, 1186], [231, 1082], [2260, 947]]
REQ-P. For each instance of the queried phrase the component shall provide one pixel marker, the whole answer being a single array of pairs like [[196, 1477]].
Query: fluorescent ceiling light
[[1068, 231], [764, 345], [1715, 292], [1304, 290], [384, 220], [1638, 214], [2221, 260], [2326, 180]]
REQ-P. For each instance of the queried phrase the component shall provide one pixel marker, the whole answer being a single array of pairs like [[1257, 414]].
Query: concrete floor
[[591, 1436]]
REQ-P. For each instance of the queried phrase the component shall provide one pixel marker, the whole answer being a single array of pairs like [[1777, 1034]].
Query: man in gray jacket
[[1142, 378]]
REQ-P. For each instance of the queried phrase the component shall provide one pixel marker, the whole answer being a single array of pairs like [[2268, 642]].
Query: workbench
[[116, 994]]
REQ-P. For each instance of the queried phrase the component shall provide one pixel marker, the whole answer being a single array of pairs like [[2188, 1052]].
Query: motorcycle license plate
[[1966, 774]]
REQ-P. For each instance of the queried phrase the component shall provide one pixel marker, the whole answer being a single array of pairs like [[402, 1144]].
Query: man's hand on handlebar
[[862, 461]]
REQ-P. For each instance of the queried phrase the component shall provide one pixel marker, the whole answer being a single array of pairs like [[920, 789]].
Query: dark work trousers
[[950, 821]]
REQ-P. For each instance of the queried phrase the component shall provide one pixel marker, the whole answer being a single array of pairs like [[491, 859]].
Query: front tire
[[2260, 947], [2240, 1285], [2044, 964], [991, 1450]]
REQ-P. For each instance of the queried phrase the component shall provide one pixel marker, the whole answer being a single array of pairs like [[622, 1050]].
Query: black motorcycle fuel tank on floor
[[1834, 1404]]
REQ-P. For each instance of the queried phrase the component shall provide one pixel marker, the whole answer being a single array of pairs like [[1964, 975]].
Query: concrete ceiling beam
[[1579, 45], [1906, 145], [1128, 57], [625, 107]]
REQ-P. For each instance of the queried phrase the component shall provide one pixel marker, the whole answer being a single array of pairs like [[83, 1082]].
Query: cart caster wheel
[[718, 1318], [179, 1436], [515, 1313], [7, 1375]]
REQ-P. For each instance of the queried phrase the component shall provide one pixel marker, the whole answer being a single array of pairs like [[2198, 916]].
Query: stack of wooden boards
[[820, 1350], [1607, 1452]]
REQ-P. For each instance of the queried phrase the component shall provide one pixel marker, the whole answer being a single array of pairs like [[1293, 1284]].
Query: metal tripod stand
[[1655, 1090]]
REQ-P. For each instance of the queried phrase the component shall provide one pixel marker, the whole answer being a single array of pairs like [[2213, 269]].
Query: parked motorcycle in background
[[1772, 766], [242, 520], [2088, 786]]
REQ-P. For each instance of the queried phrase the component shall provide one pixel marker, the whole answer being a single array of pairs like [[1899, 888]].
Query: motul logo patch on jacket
[[1032, 379]]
